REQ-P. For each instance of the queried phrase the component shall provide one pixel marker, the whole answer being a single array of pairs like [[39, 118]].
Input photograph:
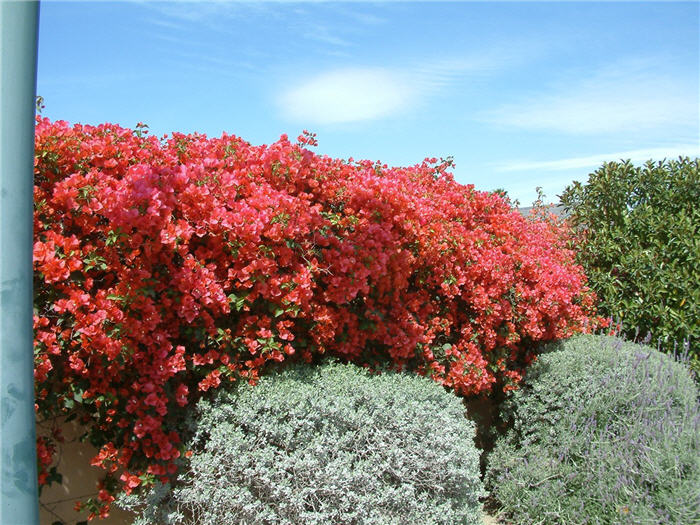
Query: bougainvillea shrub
[[164, 267]]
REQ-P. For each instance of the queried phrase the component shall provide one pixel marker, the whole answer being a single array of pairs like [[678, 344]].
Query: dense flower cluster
[[45, 450], [164, 267]]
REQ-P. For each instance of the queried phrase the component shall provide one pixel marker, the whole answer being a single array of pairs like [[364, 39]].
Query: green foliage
[[326, 444], [640, 246], [604, 431], [501, 192]]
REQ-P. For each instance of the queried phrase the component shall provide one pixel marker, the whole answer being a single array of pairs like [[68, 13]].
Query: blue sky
[[521, 94]]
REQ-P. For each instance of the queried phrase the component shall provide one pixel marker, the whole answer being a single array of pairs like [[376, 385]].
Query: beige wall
[[79, 482]]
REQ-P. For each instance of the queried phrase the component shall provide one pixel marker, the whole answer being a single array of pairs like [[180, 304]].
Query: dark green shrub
[[640, 246], [605, 432], [328, 444]]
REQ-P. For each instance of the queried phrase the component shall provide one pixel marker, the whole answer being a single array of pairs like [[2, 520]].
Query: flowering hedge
[[164, 267]]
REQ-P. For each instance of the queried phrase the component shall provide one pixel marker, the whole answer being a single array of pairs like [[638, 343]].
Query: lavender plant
[[326, 444], [604, 432]]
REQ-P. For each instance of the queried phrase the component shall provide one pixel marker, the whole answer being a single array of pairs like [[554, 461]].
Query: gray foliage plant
[[326, 444], [605, 432]]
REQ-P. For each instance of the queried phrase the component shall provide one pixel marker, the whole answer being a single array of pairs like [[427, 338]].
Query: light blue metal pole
[[19, 22]]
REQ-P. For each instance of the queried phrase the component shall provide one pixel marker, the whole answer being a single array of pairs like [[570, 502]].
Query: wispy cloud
[[189, 12], [325, 35], [168, 24], [591, 161], [215, 15], [627, 97], [432, 75]]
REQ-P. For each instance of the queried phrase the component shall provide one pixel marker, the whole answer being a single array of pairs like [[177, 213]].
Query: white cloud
[[632, 97], [367, 93], [348, 95], [591, 161]]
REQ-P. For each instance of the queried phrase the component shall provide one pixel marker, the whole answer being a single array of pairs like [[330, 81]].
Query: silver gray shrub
[[330, 444], [605, 432]]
